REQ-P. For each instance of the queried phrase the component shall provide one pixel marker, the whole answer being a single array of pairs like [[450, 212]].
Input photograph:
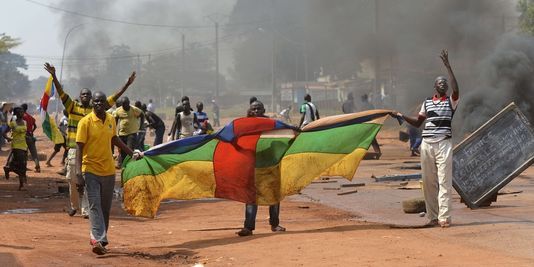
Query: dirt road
[[324, 229]]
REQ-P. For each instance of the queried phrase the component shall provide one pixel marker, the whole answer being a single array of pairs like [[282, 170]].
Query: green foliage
[[12, 82], [526, 19]]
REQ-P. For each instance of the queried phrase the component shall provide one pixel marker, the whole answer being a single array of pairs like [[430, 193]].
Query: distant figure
[[63, 124], [415, 139], [30, 139], [215, 110], [203, 125], [366, 105], [348, 105], [16, 162], [156, 123], [257, 109], [285, 113], [127, 118], [179, 108], [184, 122], [436, 149], [151, 106], [141, 134], [309, 112], [3, 124]]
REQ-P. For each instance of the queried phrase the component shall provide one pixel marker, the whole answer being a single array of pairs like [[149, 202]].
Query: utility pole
[[182, 83], [217, 60], [273, 59], [377, 50]]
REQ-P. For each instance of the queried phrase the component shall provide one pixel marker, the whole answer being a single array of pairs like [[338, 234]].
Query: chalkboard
[[492, 156]]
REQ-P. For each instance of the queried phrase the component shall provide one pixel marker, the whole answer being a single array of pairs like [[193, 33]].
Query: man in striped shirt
[[436, 148], [76, 111]]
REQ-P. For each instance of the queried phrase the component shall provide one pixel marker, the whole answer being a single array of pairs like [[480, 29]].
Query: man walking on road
[[30, 139], [95, 168], [436, 148], [76, 111]]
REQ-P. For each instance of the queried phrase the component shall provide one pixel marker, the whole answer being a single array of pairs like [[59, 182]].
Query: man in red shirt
[[30, 139]]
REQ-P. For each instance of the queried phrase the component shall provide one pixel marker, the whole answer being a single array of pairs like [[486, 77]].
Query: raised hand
[[444, 55], [131, 79], [51, 69]]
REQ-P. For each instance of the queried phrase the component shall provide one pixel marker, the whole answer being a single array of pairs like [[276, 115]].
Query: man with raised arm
[[436, 149], [76, 111]]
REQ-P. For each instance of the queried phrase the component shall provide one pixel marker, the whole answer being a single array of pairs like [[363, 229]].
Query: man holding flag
[[78, 110]]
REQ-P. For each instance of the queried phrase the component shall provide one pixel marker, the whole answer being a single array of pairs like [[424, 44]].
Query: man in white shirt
[[309, 112]]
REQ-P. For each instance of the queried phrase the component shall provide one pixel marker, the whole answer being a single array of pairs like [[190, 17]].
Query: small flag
[[49, 125]]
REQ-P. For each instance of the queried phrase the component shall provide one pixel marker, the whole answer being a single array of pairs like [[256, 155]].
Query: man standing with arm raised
[[436, 148], [76, 111]]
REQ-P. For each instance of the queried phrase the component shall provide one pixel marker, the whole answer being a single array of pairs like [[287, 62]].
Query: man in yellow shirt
[[76, 111], [128, 119], [95, 168]]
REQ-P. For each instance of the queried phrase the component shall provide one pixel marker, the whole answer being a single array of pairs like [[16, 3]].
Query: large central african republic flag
[[251, 160]]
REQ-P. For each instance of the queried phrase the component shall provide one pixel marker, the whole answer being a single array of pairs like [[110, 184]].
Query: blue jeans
[[250, 215], [415, 141], [159, 135], [99, 190]]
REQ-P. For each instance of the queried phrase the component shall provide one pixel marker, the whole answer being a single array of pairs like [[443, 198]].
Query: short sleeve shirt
[[128, 120], [18, 134], [96, 136]]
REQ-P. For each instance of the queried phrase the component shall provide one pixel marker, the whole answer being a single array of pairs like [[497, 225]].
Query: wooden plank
[[323, 182], [353, 185], [398, 177], [347, 192]]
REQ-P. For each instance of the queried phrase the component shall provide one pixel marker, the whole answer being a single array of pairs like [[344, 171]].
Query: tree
[[7, 42], [12, 82], [526, 19]]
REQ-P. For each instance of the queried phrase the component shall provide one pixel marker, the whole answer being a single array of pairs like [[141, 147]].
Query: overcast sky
[[42, 35], [36, 27]]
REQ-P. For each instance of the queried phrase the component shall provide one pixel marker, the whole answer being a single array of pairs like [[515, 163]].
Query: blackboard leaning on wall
[[492, 156]]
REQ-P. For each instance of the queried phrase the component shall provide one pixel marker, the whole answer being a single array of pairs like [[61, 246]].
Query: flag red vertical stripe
[[234, 162]]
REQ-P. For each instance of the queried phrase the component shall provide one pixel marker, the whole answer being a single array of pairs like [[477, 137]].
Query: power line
[[137, 23], [164, 51]]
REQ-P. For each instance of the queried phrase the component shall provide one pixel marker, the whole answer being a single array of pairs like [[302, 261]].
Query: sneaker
[[48, 164], [244, 232], [432, 223], [6, 172], [99, 249], [278, 228], [444, 224], [71, 212], [37, 169]]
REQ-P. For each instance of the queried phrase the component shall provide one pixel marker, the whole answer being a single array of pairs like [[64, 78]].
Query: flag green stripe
[[154, 165], [335, 140], [47, 129], [269, 151]]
